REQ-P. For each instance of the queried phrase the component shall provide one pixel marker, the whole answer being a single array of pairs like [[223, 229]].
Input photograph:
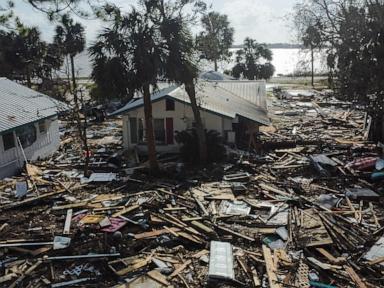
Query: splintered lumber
[[274, 190], [67, 225], [130, 263], [235, 233], [202, 227], [155, 233], [183, 280], [26, 274], [179, 269], [31, 200], [355, 278], [376, 261], [125, 211], [190, 237], [201, 206], [157, 276], [255, 277], [7, 277], [71, 206], [330, 257], [312, 231], [271, 269]]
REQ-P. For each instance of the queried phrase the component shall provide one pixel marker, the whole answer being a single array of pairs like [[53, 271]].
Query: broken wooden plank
[[235, 233], [157, 276], [125, 211], [154, 233], [31, 200], [376, 261], [180, 269], [68, 220], [271, 269], [355, 278], [330, 257]]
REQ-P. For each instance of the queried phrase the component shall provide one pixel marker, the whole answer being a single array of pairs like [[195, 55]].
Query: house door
[[169, 130]]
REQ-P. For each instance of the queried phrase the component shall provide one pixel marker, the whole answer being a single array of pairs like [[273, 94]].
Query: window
[[133, 130], [42, 127], [27, 135], [8, 141], [141, 131], [169, 105], [158, 126]]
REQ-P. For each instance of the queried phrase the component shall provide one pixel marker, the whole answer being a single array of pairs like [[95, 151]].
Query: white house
[[233, 108], [27, 118]]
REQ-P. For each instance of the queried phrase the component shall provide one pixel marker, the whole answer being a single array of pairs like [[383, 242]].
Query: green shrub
[[190, 146]]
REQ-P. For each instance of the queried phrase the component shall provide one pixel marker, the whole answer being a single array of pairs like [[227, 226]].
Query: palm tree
[[180, 68], [70, 37], [132, 47]]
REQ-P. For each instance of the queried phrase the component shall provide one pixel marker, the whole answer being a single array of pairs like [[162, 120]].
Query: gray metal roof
[[215, 76], [20, 105], [253, 91], [211, 97]]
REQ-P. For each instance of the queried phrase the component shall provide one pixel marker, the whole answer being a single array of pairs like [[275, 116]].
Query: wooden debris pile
[[299, 216]]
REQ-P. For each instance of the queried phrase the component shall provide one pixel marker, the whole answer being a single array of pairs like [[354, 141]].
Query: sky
[[264, 20]]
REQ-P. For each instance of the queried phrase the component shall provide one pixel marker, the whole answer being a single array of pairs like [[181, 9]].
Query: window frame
[[8, 147], [170, 104], [27, 135], [44, 123], [160, 134]]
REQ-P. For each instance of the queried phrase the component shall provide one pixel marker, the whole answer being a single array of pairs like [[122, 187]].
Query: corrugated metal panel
[[213, 98], [253, 91], [20, 105], [221, 261]]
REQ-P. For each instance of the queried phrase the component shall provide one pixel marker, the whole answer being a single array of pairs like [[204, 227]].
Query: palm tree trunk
[[73, 79], [312, 66], [29, 81], [150, 134], [191, 91]]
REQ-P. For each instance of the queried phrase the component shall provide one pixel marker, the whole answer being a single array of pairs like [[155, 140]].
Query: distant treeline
[[275, 46]]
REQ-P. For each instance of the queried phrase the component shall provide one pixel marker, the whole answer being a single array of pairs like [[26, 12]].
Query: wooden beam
[[271, 269]]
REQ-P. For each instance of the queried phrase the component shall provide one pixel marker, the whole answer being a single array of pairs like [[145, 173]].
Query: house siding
[[46, 143]]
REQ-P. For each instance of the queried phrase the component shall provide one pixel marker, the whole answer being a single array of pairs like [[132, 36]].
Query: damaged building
[[29, 127], [235, 109]]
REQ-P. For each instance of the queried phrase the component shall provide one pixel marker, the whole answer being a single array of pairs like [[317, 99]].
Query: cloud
[[259, 19]]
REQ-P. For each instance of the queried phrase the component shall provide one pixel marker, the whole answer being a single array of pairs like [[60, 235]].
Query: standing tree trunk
[[216, 65], [150, 134], [74, 86], [29, 81], [191, 91], [312, 67]]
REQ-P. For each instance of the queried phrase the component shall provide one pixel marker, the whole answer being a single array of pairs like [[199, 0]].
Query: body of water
[[286, 62]]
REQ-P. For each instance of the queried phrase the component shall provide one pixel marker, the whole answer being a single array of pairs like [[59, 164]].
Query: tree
[[71, 39], [216, 38], [29, 49], [253, 61], [24, 56], [352, 32], [312, 40], [180, 67], [6, 13], [131, 46]]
